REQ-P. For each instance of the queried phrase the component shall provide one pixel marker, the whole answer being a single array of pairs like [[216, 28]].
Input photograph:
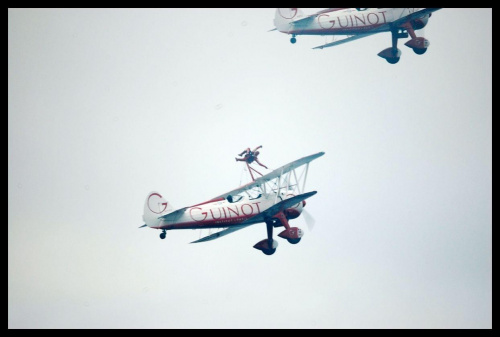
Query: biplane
[[355, 23], [273, 198]]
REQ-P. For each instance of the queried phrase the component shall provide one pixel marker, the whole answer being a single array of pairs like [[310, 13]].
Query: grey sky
[[106, 105]]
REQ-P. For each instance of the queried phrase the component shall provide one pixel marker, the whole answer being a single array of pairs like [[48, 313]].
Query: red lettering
[[212, 212], [383, 15], [340, 22], [158, 204], [197, 214], [232, 210], [257, 204], [369, 21], [360, 20], [243, 211], [331, 21]]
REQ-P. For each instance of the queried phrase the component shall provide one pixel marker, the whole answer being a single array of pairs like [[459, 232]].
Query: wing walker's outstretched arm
[[247, 150], [258, 147]]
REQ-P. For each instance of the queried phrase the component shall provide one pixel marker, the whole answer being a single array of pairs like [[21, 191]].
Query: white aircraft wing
[[347, 39], [268, 213], [222, 233], [272, 175]]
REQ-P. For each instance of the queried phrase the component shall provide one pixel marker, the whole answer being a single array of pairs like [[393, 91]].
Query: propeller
[[308, 219]]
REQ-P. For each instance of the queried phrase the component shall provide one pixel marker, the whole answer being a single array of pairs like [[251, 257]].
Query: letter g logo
[[155, 203]]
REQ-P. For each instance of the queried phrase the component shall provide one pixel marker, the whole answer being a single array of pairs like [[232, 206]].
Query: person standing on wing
[[251, 156]]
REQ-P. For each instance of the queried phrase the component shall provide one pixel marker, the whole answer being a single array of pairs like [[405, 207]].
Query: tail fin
[[154, 207], [284, 16]]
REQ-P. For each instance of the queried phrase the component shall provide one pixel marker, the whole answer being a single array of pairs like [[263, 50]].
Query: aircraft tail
[[154, 207], [284, 16]]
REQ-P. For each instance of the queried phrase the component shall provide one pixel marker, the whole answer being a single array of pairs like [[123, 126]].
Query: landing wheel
[[269, 251], [391, 54], [393, 60], [419, 51], [294, 241], [163, 235], [293, 40]]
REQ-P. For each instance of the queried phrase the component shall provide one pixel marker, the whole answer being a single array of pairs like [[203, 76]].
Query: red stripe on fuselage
[[338, 31], [219, 215], [212, 223]]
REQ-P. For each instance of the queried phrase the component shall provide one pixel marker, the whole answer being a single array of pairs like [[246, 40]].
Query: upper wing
[[268, 213], [272, 175]]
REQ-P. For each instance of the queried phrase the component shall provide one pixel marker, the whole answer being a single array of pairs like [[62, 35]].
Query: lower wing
[[347, 39]]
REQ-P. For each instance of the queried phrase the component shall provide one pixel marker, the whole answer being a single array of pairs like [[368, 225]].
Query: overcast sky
[[106, 105]]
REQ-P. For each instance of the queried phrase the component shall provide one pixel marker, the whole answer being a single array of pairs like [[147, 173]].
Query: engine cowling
[[420, 23]]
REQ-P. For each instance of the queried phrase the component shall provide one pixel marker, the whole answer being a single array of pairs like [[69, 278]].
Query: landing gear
[[293, 39], [390, 55], [393, 54], [275, 222], [163, 234], [292, 234], [418, 44], [269, 251], [419, 51], [294, 241], [267, 246]]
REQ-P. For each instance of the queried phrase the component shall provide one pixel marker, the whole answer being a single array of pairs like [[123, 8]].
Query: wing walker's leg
[[250, 170]]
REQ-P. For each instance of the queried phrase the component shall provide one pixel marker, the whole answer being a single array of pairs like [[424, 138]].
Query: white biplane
[[356, 23], [273, 199]]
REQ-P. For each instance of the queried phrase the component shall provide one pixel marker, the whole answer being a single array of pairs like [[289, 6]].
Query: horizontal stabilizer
[[173, 216], [302, 22]]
